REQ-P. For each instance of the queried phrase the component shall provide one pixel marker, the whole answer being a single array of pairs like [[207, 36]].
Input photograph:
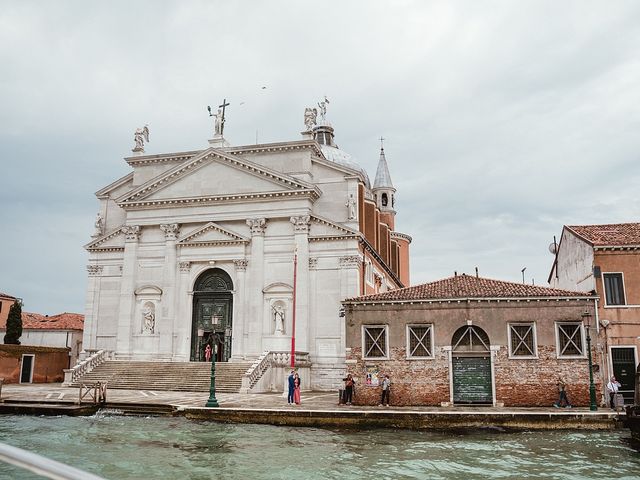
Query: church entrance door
[[212, 315]]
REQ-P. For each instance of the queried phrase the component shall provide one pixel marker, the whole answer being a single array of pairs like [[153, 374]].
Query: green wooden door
[[212, 318], [624, 369], [472, 380]]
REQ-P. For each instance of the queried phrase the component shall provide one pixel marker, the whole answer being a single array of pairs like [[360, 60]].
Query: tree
[[14, 324]]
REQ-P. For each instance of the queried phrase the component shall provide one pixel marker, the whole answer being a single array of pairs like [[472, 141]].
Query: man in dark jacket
[[291, 388]]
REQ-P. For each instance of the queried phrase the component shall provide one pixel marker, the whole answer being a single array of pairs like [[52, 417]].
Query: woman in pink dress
[[296, 389], [207, 353]]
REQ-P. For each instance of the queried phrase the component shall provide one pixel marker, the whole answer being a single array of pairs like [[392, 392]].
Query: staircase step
[[170, 376]]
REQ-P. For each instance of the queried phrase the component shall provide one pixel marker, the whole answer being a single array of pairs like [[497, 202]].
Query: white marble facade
[[241, 212]]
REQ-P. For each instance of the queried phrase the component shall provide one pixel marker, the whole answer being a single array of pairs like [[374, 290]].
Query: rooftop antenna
[[523, 273], [476, 272]]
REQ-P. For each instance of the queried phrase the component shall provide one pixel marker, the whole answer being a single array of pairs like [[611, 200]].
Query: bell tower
[[383, 191]]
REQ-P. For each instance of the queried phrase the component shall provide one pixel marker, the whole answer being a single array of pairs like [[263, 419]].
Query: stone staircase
[[167, 376]]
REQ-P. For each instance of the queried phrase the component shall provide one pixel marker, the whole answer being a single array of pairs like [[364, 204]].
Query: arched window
[[385, 200], [470, 339], [214, 280]]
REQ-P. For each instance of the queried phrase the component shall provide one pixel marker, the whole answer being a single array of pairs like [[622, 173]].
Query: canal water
[[120, 448]]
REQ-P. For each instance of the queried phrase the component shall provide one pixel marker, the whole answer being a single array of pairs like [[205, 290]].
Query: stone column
[[168, 301], [239, 315], [92, 308], [127, 289], [313, 303], [301, 240], [349, 287], [253, 333], [182, 320]]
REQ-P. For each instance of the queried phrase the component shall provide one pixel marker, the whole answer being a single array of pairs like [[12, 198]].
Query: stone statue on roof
[[141, 136], [323, 107], [310, 115]]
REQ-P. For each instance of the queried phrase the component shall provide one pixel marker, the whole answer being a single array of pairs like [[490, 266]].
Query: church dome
[[324, 136]]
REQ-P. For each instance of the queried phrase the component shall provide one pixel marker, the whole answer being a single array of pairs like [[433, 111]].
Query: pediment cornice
[[138, 195], [229, 237], [277, 147], [161, 158], [96, 244], [104, 192]]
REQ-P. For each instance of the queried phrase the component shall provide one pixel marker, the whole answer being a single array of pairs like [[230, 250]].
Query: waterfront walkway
[[318, 409]]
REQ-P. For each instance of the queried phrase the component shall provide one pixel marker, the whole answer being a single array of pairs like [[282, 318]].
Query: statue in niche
[[149, 317], [310, 115], [99, 224], [351, 205], [141, 136], [278, 316]]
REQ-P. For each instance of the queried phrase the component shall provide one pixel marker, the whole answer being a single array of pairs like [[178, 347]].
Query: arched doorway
[[471, 366], [212, 315]]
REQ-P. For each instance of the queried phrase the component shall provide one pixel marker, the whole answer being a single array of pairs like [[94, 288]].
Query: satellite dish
[[553, 248]]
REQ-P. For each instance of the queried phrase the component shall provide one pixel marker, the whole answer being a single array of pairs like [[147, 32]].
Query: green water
[[118, 447]]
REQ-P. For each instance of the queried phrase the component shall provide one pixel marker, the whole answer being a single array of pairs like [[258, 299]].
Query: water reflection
[[141, 448]]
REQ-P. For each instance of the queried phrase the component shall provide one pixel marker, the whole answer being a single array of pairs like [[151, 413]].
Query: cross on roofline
[[223, 107]]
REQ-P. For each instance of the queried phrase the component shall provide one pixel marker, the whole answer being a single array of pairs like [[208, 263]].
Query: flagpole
[[293, 321]]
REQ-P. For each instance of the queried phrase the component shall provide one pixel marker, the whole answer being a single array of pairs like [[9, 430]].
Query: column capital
[[94, 270], [257, 225], [185, 267], [301, 223], [170, 230], [241, 265], [350, 261], [131, 233]]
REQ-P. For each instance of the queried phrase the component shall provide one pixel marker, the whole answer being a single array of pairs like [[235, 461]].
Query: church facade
[[218, 246]]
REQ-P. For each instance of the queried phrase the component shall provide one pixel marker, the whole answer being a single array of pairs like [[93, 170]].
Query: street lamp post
[[213, 402], [586, 319]]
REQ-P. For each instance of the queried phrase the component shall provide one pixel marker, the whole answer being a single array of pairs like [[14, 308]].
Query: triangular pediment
[[113, 240], [211, 176], [212, 234], [323, 228]]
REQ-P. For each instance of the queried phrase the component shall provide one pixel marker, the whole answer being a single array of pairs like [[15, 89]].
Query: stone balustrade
[[98, 357], [271, 360]]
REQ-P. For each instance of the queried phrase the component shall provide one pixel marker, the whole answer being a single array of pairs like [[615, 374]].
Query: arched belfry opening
[[212, 315], [471, 366]]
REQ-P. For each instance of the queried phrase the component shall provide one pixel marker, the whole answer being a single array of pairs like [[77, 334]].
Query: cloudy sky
[[504, 120]]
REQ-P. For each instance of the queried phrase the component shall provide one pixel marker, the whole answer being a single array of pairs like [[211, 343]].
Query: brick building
[[606, 259], [466, 339]]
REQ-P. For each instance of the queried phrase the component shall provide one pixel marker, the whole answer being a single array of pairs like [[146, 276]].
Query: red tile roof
[[62, 321], [467, 286], [613, 234]]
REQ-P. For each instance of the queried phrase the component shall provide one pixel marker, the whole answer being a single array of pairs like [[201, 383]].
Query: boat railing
[[43, 466]]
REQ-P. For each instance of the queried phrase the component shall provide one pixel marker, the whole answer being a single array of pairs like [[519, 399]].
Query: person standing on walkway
[[562, 392], [296, 389], [612, 387], [207, 352], [291, 385], [386, 387], [349, 382]]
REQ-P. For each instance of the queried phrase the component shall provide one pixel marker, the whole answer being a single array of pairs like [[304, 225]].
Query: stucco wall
[[48, 364]]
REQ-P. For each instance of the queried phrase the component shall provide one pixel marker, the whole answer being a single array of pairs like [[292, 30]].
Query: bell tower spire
[[383, 190]]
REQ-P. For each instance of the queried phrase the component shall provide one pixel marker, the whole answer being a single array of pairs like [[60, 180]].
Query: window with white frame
[[419, 341], [374, 341], [570, 343], [613, 288], [368, 269], [522, 340]]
